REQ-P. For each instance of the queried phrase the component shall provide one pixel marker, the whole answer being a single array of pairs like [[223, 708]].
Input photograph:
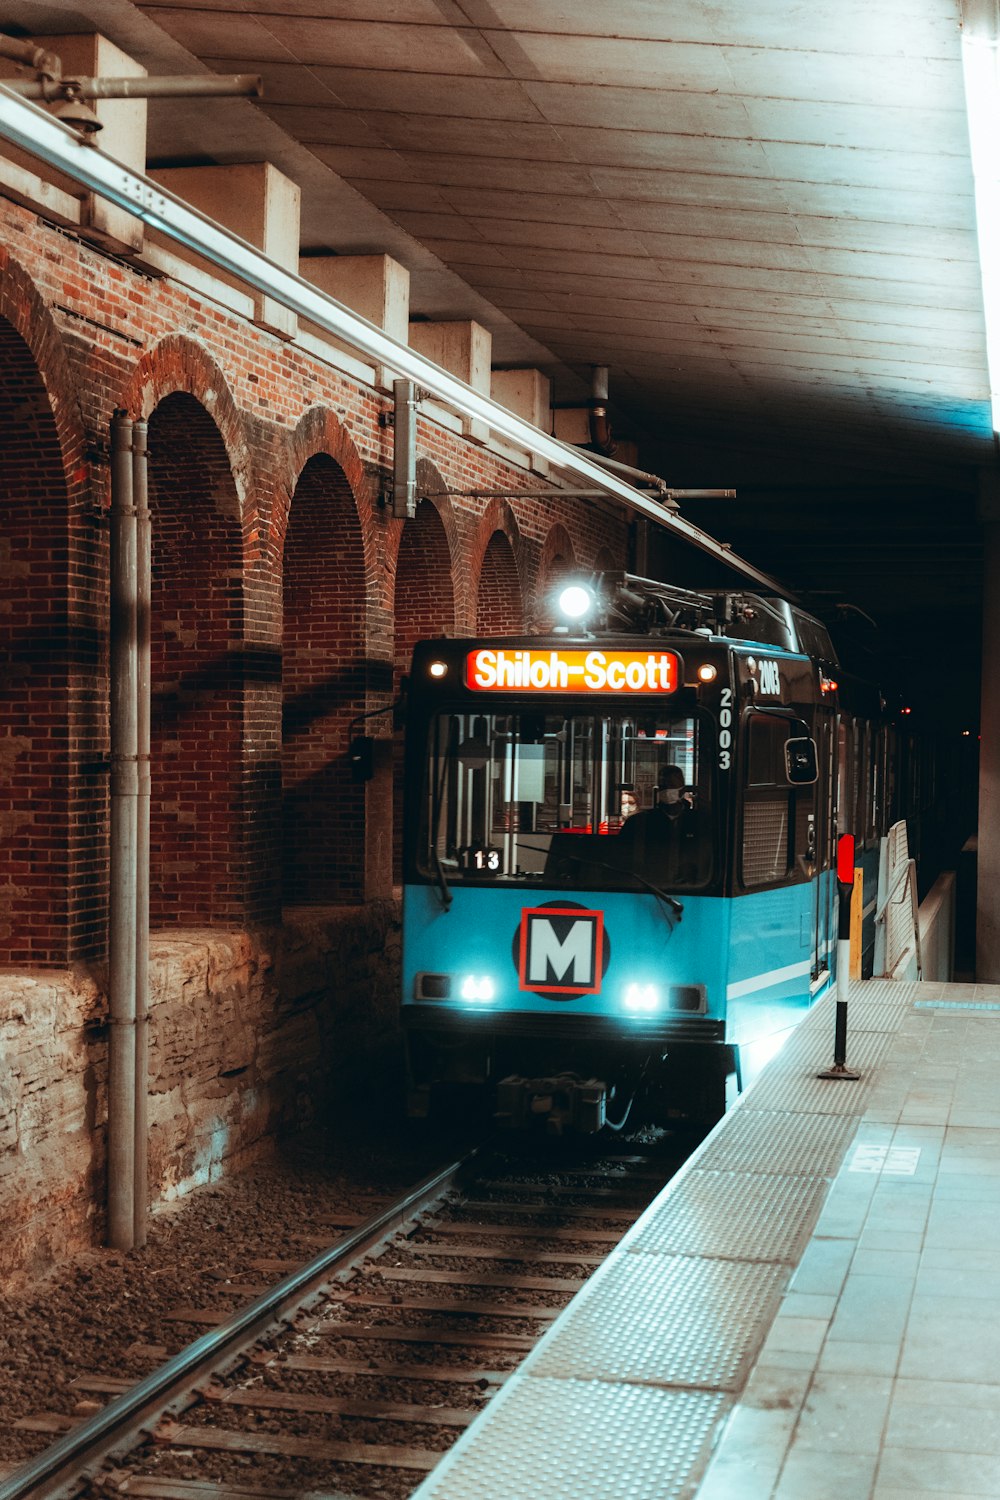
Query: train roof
[[625, 604]]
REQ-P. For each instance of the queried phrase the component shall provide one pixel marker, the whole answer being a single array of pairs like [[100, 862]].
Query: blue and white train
[[620, 840]]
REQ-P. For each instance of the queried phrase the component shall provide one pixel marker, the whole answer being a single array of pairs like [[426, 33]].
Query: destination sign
[[499, 670]]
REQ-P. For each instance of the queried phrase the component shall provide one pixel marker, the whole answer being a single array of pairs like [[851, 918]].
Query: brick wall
[[196, 855], [34, 665], [499, 605], [285, 603], [424, 606], [323, 682]]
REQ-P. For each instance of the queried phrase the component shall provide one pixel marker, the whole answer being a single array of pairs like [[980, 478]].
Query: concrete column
[[258, 203], [123, 133], [374, 286], [988, 883], [464, 350], [528, 393]]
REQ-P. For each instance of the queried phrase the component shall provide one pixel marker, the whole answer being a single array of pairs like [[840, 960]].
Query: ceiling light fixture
[[980, 38]]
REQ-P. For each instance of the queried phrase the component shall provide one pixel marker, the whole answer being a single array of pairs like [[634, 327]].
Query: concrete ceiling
[[757, 213]]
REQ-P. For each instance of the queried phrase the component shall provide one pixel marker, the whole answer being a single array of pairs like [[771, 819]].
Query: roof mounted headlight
[[576, 601]]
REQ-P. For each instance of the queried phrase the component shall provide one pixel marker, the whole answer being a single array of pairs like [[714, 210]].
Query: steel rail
[[42, 136], [122, 1421]]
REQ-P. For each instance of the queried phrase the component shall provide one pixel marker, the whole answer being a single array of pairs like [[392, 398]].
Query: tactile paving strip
[[956, 1005], [666, 1320], [776, 1142], [874, 1014], [629, 1443], [812, 1042], [735, 1215], [797, 1089]]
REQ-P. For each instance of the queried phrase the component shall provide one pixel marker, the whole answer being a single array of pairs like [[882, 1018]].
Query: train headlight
[[575, 601], [641, 998], [478, 987]]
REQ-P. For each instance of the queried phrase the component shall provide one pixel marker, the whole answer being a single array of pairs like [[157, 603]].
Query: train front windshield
[[550, 798]]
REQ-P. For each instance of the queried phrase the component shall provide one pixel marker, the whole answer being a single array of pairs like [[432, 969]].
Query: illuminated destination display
[[572, 671]]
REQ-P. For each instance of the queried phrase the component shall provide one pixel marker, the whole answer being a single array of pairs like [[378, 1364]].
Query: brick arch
[[320, 431], [427, 547], [499, 599], [557, 562], [432, 486], [424, 606], [325, 672], [605, 561], [197, 872], [181, 365], [52, 868]]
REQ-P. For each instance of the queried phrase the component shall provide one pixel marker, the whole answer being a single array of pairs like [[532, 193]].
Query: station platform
[[810, 1310]]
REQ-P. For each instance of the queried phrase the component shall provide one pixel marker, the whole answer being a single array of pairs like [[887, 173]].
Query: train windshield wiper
[[676, 907], [443, 887]]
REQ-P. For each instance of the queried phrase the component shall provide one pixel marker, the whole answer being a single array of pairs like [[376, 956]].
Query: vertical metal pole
[[843, 972], [143, 689], [839, 1068], [404, 450], [640, 547], [124, 785]]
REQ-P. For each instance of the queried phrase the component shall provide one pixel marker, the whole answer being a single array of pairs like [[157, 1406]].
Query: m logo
[[561, 950]]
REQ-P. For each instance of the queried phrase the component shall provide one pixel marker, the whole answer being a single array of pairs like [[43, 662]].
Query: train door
[[824, 930], [842, 820]]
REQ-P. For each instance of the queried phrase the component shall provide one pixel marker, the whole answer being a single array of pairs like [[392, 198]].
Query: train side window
[[766, 738], [868, 810], [846, 777], [768, 809]]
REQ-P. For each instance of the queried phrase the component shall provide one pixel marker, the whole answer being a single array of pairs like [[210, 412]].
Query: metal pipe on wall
[[616, 467], [182, 86], [600, 425], [30, 55], [124, 800], [140, 489]]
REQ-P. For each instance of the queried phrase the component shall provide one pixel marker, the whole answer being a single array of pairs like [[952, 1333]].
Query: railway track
[[352, 1375]]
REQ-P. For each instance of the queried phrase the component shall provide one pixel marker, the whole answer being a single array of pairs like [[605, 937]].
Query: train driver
[[663, 840]]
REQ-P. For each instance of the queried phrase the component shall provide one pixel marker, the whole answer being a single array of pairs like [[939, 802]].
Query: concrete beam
[[255, 201], [526, 392], [374, 286], [465, 350]]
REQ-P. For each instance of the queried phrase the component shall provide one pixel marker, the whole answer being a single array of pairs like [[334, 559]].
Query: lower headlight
[[477, 987], [642, 997]]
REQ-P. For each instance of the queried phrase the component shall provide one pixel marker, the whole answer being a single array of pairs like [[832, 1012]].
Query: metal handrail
[[42, 136]]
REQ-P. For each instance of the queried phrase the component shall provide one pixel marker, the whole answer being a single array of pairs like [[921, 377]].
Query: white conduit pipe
[[143, 771], [46, 138], [124, 789]]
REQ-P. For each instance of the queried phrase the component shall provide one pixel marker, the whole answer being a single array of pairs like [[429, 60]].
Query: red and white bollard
[[845, 888]]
